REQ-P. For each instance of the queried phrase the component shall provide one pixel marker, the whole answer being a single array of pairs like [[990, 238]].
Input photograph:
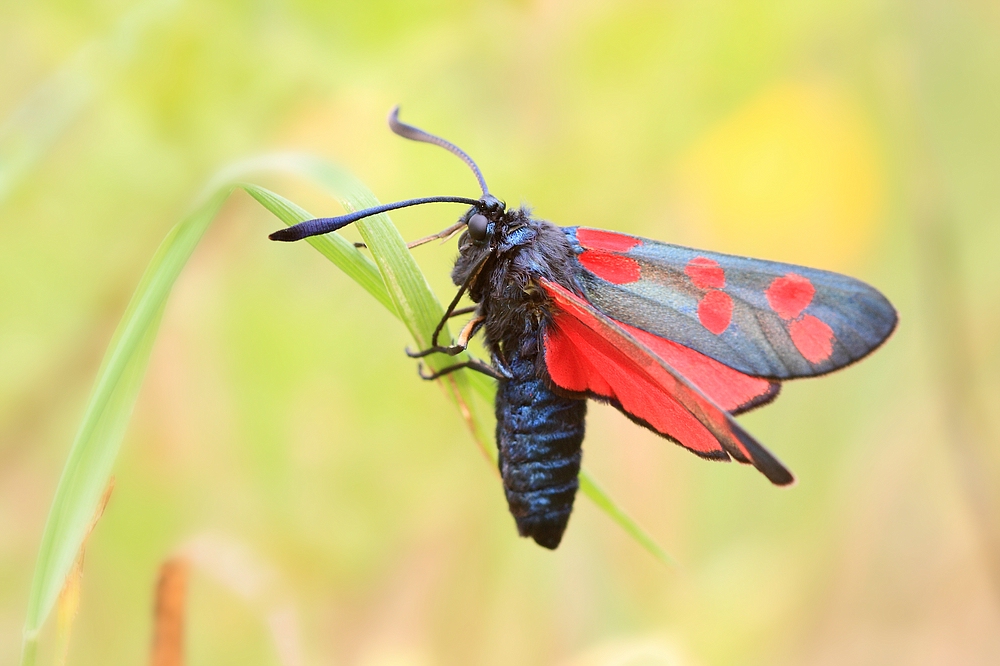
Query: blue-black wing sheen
[[762, 318]]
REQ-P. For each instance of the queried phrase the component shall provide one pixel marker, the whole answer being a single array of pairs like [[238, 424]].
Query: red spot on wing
[[615, 268], [715, 311], [705, 273], [812, 337], [729, 388], [598, 239], [790, 295]]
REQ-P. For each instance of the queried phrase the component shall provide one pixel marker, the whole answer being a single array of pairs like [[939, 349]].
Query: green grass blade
[[98, 440], [597, 495]]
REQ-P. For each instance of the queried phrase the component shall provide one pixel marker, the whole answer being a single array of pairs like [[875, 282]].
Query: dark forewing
[[762, 318], [589, 354]]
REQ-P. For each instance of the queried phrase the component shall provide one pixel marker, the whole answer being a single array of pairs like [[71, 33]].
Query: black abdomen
[[538, 437]]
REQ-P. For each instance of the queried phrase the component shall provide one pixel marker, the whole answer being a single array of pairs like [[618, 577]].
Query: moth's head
[[477, 241], [482, 221]]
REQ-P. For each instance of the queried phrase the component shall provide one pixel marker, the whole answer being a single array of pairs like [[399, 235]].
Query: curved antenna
[[325, 225], [417, 134]]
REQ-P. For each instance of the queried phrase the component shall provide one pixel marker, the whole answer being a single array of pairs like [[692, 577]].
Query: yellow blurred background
[[339, 510]]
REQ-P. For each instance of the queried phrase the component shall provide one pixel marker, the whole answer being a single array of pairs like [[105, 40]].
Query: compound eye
[[478, 225]]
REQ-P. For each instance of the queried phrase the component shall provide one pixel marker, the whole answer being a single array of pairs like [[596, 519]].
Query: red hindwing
[[588, 353], [732, 390]]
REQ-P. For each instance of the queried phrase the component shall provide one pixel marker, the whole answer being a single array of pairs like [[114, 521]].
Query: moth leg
[[449, 313], [472, 364], [463, 311], [468, 331]]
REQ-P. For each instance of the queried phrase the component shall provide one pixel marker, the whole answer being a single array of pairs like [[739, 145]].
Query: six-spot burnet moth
[[678, 340]]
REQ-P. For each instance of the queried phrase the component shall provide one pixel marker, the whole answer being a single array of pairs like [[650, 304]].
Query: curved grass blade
[[97, 442], [393, 279], [96, 445]]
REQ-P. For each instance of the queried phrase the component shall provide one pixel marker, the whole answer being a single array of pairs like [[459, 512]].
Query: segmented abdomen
[[538, 437]]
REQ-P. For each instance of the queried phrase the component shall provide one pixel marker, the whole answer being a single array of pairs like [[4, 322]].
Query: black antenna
[[417, 134], [325, 225]]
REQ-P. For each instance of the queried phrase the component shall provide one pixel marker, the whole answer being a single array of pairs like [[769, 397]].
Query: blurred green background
[[340, 510]]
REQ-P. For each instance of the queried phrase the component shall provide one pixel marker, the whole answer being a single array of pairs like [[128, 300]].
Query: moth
[[679, 340]]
